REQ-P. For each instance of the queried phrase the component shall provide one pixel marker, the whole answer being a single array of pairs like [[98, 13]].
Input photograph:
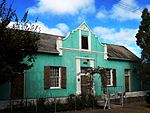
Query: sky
[[113, 21]]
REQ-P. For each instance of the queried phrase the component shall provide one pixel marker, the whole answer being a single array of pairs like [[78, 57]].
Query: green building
[[60, 65]]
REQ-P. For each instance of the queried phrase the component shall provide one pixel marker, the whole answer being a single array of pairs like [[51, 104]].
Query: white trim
[[89, 41], [79, 74], [85, 58], [111, 77], [80, 46], [83, 50], [78, 77], [80, 26], [60, 76], [92, 65], [129, 75], [92, 62], [105, 51]]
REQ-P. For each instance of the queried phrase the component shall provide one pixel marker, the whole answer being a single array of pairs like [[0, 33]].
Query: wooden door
[[127, 83], [17, 87], [84, 84]]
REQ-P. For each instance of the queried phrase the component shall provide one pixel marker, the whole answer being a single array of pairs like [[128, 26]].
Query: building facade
[[59, 69]]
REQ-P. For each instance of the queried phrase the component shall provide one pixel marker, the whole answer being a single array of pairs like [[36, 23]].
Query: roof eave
[[48, 52], [123, 59]]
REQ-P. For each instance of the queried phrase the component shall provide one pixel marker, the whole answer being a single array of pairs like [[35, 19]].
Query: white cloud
[[124, 36], [63, 27], [102, 13], [103, 30], [126, 10], [60, 28], [61, 7], [122, 11]]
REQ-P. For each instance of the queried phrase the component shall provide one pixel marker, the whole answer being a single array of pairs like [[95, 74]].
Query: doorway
[[84, 84], [127, 80], [17, 87]]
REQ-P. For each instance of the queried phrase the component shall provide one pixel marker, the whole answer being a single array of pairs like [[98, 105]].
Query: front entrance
[[17, 87], [84, 84], [81, 79], [127, 80], [127, 83]]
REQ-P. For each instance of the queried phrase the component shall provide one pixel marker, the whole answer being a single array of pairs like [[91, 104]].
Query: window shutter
[[47, 81], [104, 79], [114, 77], [63, 77]]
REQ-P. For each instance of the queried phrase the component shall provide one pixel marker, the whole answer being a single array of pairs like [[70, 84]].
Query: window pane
[[84, 40], [84, 69], [108, 74], [54, 77], [127, 72]]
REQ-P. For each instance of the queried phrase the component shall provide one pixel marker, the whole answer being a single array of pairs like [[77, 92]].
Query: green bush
[[45, 106]]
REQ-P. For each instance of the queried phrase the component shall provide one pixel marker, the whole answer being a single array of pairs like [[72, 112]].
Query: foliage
[[143, 41], [101, 71], [44, 105], [18, 43]]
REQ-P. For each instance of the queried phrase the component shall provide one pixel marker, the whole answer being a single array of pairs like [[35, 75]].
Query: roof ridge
[[51, 34]]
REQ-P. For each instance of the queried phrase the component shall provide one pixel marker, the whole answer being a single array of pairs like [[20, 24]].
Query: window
[[54, 77], [84, 40], [110, 77], [127, 72], [84, 69]]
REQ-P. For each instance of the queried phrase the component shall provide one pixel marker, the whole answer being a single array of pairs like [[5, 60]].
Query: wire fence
[[50, 105]]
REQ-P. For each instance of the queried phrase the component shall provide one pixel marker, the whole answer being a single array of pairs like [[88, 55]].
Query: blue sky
[[113, 21]]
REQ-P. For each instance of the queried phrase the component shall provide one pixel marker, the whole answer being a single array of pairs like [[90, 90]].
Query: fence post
[[93, 101], [26, 105], [75, 103], [55, 105], [11, 106], [36, 105]]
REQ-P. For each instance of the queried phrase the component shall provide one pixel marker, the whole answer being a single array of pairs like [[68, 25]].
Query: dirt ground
[[135, 107]]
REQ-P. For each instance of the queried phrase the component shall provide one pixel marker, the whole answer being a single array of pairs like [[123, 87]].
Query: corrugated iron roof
[[47, 43], [117, 52]]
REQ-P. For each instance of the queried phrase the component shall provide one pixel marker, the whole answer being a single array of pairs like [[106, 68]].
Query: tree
[[143, 41], [18, 43]]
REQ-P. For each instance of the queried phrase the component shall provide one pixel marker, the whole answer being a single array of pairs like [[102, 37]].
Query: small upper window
[[84, 69], [127, 72], [84, 40]]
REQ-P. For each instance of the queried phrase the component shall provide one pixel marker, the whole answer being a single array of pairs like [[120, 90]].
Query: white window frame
[[59, 79], [129, 75], [111, 77], [89, 41]]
